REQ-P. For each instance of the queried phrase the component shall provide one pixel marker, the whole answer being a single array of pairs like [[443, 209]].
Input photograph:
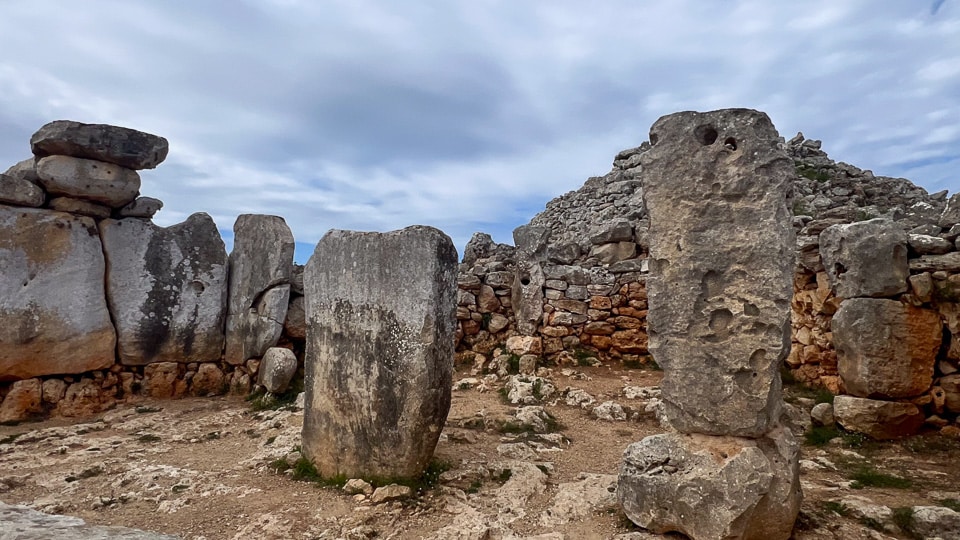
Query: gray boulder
[[19, 192], [277, 369], [167, 289], [885, 348], [879, 419], [379, 358], [295, 325], [936, 522], [867, 258], [712, 487], [95, 181], [261, 265], [79, 207], [526, 296], [25, 523], [25, 170], [121, 146], [721, 268], [52, 303], [141, 207]]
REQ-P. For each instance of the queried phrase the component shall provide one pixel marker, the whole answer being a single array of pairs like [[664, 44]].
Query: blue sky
[[468, 116]]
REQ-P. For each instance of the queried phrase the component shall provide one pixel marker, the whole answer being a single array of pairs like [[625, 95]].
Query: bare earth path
[[206, 469]]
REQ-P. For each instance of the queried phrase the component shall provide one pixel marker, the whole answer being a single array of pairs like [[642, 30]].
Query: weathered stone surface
[[295, 325], [23, 400], [950, 385], [141, 207], [25, 170], [51, 295], [79, 207], [923, 244], [527, 296], [721, 271], [951, 213], [19, 192], [96, 181], [84, 398], [713, 487], [885, 349], [160, 379], [614, 252], [167, 289], [277, 369], [867, 258], [379, 359], [392, 492], [208, 381], [878, 419], [822, 414], [121, 146], [949, 262], [53, 390], [579, 500], [936, 522], [521, 345], [618, 231], [25, 523], [261, 264]]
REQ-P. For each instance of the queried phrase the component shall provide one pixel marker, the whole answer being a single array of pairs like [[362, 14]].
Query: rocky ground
[[217, 468]]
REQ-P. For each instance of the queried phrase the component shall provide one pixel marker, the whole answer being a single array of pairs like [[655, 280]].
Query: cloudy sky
[[468, 116]]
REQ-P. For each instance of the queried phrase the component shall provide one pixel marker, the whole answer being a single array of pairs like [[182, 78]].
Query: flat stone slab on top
[[121, 146]]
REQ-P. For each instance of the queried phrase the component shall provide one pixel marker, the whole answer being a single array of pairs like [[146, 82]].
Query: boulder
[[23, 400], [521, 345], [208, 381], [614, 252], [84, 398], [822, 414], [527, 296], [167, 289], [936, 522], [121, 146], [617, 231], [721, 268], [95, 181], [277, 369], [710, 487], [878, 419], [950, 385], [922, 244], [576, 501], [951, 213], [25, 170], [867, 258], [79, 207], [295, 325], [885, 349], [19, 192], [25, 523], [52, 301], [141, 207], [261, 265], [379, 352], [160, 379]]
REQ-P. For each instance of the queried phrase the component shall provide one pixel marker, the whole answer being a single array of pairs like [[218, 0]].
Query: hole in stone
[[750, 310], [197, 287], [720, 320], [839, 269], [525, 280], [730, 143], [706, 135], [653, 139], [715, 188]]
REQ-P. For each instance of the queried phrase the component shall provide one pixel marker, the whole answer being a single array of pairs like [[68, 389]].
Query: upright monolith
[[716, 186], [380, 312]]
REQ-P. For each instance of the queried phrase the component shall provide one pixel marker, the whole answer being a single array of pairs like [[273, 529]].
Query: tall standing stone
[[721, 250], [261, 265], [167, 289], [527, 291], [379, 359], [52, 297], [716, 186]]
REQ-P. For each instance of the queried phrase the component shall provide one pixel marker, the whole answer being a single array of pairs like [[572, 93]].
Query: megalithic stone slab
[[96, 181], [379, 358], [167, 289], [867, 258], [716, 186], [121, 146], [261, 265], [53, 310]]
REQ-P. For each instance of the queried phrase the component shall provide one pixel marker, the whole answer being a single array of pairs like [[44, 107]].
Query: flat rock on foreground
[[23, 523]]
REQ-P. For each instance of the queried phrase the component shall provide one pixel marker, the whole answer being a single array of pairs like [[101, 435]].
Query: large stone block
[[53, 310], [713, 487], [96, 181], [19, 192], [716, 186], [261, 265], [121, 146], [167, 289], [878, 419], [885, 349], [379, 359], [867, 258]]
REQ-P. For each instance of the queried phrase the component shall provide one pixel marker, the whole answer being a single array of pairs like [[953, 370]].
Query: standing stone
[[260, 269], [278, 368], [379, 359], [167, 289], [721, 246], [19, 192], [96, 181], [885, 349], [121, 146], [527, 290], [867, 258], [52, 303]]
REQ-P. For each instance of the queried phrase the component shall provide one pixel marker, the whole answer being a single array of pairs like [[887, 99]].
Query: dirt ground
[[208, 469]]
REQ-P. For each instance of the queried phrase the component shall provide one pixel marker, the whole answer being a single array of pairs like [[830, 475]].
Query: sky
[[468, 116]]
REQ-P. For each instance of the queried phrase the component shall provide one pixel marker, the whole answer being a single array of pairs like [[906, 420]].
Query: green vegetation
[[867, 476], [504, 475], [952, 504], [871, 523], [812, 173], [513, 364], [821, 435], [148, 438], [644, 362], [304, 471], [904, 519], [263, 401], [475, 486], [836, 507]]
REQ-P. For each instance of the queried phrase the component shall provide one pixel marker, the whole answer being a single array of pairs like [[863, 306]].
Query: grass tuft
[[835, 507], [821, 435], [866, 476], [905, 520]]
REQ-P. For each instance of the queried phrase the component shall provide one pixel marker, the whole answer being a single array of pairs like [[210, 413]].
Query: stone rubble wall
[[98, 304]]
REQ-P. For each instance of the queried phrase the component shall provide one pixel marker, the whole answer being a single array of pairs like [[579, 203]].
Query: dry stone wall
[[99, 304]]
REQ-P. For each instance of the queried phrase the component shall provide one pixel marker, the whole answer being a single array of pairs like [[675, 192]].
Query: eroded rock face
[[878, 419], [167, 289], [713, 487], [527, 292], [19, 192], [277, 369], [52, 291], [885, 349], [121, 146], [716, 187], [103, 183], [381, 321], [261, 264], [867, 258]]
